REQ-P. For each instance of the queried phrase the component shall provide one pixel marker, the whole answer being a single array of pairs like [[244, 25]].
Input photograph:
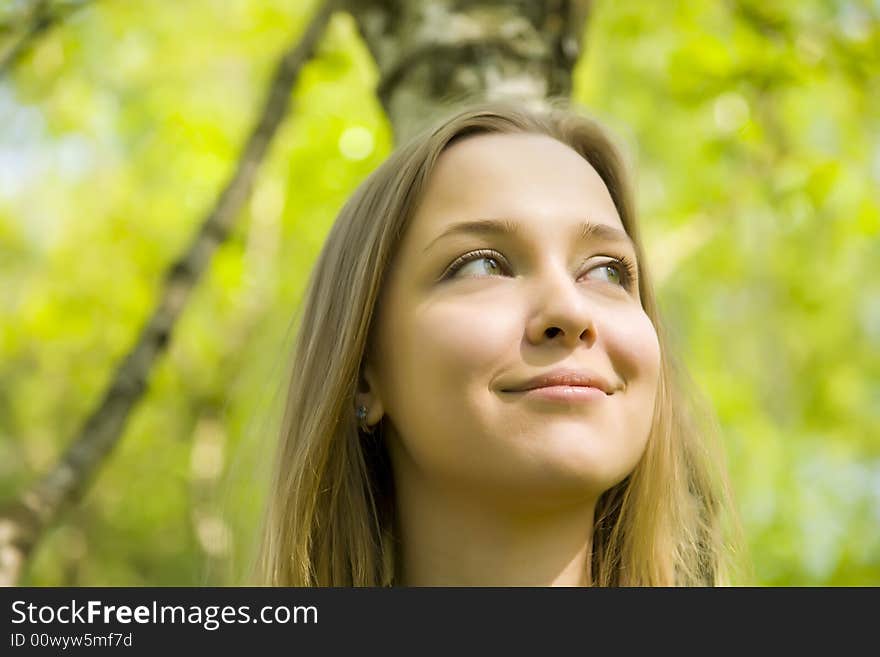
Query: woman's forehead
[[505, 158], [516, 177]]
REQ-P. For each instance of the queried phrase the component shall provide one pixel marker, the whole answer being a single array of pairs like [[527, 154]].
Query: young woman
[[481, 392]]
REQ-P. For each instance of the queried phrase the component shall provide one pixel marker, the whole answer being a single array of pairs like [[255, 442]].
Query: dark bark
[[41, 20]]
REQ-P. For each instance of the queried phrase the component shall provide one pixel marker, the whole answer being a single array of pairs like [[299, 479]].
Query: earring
[[362, 414]]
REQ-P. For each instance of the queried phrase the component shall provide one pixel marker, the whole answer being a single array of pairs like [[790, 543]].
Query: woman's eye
[[476, 264], [489, 263], [612, 274]]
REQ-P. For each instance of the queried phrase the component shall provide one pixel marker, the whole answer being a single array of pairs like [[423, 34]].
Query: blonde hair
[[330, 512]]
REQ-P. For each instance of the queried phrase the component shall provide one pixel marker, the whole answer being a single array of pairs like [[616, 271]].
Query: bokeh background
[[754, 128]]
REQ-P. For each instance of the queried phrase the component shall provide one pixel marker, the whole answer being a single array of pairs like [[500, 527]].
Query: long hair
[[330, 512]]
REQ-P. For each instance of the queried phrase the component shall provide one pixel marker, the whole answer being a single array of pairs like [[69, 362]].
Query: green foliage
[[758, 155], [760, 120]]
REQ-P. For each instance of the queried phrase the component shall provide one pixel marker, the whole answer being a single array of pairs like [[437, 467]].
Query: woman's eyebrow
[[586, 231]]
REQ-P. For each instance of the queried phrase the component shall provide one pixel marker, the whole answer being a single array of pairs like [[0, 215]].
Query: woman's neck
[[452, 539]]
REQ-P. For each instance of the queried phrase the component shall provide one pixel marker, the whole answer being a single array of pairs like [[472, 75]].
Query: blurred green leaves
[[763, 120]]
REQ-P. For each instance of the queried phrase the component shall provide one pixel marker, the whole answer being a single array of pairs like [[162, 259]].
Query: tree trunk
[[432, 55]]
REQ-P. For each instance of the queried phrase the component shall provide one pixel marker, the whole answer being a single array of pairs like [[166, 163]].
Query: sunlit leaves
[[759, 116]]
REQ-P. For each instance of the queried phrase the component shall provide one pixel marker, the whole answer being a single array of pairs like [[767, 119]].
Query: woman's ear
[[368, 395]]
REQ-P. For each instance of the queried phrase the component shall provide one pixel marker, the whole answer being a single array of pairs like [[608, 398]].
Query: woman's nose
[[561, 311]]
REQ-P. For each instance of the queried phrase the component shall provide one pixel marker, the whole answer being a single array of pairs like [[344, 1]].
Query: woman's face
[[453, 343]]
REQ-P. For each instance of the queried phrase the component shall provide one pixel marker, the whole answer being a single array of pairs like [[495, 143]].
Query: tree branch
[[42, 19], [23, 522]]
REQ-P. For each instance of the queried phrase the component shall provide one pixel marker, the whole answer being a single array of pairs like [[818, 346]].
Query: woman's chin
[[557, 481]]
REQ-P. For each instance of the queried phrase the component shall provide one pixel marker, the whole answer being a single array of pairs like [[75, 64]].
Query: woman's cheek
[[633, 347], [464, 334]]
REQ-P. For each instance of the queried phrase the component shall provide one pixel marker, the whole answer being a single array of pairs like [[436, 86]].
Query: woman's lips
[[563, 393]]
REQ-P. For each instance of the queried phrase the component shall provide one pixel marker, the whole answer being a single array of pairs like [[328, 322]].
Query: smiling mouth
[[557, 385], [561, 393]]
